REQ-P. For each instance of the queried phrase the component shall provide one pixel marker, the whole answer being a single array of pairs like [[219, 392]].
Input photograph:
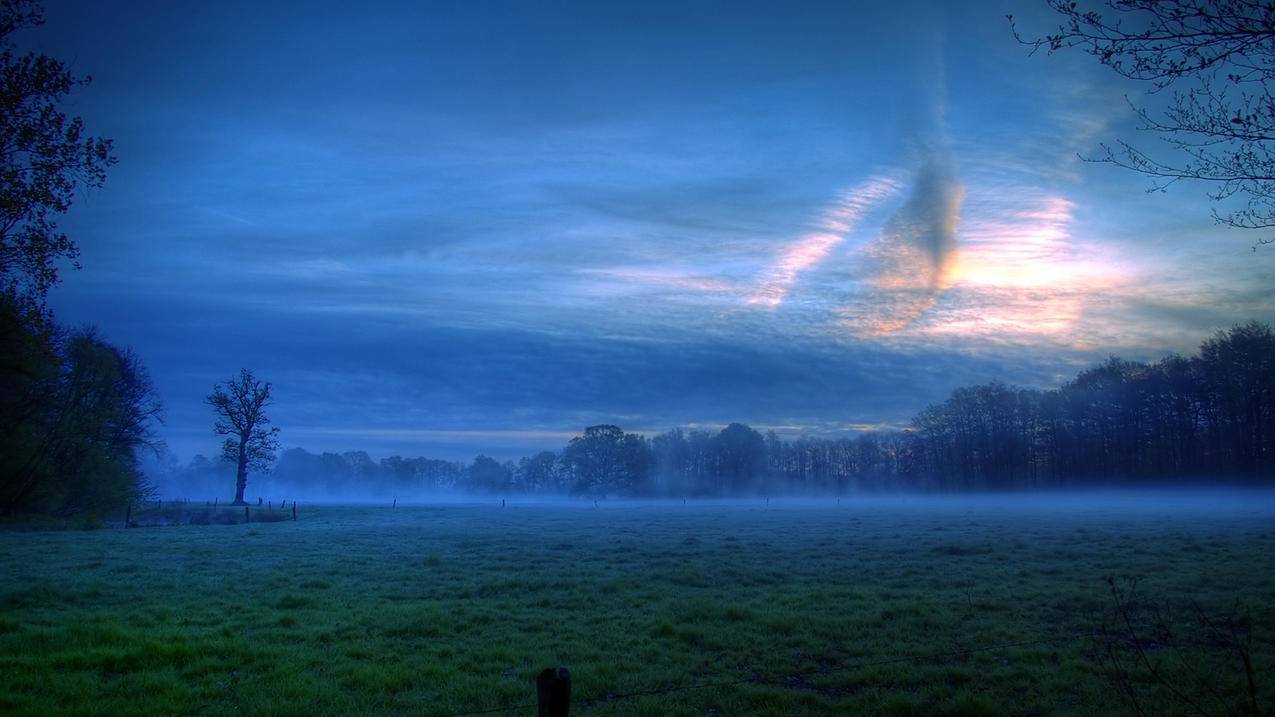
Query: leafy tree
[[539, 473], [635, 454], [741, 457], [29, 369], [488, 474], [107, 408], [78, 425], [401, 470], [1217, 58], [46, 158], [607, 459], [595, 459], [671, 455], [1238, 369], [240, 405]]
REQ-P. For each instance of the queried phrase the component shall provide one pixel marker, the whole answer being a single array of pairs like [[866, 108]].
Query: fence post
[[294, 510], [553, 692], [246, 518], [215, 502], [128, 517]]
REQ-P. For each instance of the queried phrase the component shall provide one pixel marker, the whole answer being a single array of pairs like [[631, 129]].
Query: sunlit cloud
[[913, 260], [814, 247], [1022, 275]]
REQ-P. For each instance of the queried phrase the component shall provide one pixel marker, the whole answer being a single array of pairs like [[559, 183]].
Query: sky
[[446, 229]]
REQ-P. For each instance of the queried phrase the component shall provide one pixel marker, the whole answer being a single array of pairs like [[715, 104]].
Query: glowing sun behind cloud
[[1021, 274]]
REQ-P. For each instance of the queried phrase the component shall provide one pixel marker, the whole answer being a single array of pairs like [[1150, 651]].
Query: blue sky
[[444, 229]]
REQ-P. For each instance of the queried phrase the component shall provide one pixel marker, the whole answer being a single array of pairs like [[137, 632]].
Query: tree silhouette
[[75, 429], [45, 159], [1217, 57], [241, 404], [607, 459], [741, 457], [488, 474]]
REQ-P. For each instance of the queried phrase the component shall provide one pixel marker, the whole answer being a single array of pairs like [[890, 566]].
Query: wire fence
[[758, 678], [185, 512]]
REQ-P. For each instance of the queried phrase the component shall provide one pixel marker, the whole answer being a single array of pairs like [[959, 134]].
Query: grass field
[[432, 610]]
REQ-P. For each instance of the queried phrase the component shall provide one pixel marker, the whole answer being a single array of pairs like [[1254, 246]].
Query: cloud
[[1020, 272], [830, 230], [912, 262]]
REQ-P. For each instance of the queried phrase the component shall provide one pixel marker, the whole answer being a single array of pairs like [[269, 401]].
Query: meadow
[[444, 609]]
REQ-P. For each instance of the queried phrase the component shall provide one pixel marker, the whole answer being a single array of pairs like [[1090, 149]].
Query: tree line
[[1204, 418]]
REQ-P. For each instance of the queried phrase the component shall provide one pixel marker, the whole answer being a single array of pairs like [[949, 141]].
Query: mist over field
[[1220, 496], [913, 605]]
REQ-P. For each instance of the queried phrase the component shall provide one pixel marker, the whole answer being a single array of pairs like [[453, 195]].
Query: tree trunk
[[241, 477]]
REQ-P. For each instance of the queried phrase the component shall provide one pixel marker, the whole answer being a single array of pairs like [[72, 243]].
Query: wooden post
[[553, 692], [270, 505], [395, 503], [246, 517], [215, 503], [128, 517], [294, 510]]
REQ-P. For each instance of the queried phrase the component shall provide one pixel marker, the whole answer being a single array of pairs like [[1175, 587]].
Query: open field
[[432, 610]]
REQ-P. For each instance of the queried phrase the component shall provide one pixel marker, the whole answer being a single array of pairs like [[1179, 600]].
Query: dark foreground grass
[[435, 610]]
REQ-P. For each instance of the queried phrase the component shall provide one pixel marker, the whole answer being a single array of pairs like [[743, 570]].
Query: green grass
[[433, 610]]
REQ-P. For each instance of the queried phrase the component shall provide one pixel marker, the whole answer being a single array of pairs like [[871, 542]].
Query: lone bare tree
[[1217, 57], [241, 404]]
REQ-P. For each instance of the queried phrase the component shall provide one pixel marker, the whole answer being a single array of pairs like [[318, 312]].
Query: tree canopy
[[77, 412], [46, 159]]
